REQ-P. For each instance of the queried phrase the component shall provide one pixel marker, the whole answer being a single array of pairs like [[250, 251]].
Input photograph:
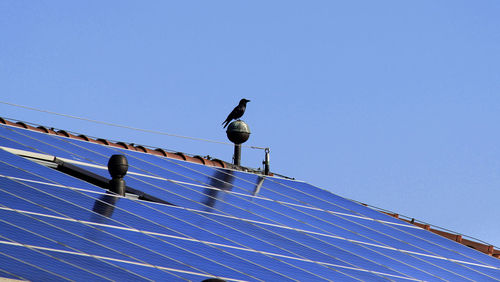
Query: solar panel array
[[221, 223]]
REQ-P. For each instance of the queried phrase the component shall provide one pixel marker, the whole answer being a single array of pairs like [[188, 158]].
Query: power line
[[128, 127]]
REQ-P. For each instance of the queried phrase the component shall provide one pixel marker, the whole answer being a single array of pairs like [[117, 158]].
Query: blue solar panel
[[252, 208], [193, 173], [18, 167], [80, 215], [222, 223], [76, 213], [35, 265]]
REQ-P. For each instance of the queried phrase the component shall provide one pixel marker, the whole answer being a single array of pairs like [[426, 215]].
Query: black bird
[[237, 112]]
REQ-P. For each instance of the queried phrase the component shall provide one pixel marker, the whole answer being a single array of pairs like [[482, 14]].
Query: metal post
[[266, 162], [237, 154]]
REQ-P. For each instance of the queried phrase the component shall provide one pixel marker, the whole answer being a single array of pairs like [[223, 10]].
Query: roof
[[193, 218]]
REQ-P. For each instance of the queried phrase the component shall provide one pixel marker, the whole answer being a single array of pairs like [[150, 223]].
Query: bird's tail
[[227, 122]]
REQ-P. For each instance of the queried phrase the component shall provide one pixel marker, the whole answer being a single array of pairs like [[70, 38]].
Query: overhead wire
[[129, 127]]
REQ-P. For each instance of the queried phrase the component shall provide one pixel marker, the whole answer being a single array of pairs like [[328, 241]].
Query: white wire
[[129, 127]]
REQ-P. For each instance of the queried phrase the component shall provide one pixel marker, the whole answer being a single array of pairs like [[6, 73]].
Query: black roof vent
[[117, 167]]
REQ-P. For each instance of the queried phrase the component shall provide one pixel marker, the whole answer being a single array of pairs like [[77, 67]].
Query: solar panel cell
[[412, 240], [472, 254], [36, 264]]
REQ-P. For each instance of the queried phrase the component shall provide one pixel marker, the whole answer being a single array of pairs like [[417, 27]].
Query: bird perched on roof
[[237, 112]]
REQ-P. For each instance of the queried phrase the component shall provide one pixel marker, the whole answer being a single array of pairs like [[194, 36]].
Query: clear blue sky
[[391, 103]]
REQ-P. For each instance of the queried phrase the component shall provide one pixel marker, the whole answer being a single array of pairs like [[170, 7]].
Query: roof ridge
[[452, 235], [203, 160]]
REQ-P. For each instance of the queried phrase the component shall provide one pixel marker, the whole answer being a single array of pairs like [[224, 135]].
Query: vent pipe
[[117, 167]]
